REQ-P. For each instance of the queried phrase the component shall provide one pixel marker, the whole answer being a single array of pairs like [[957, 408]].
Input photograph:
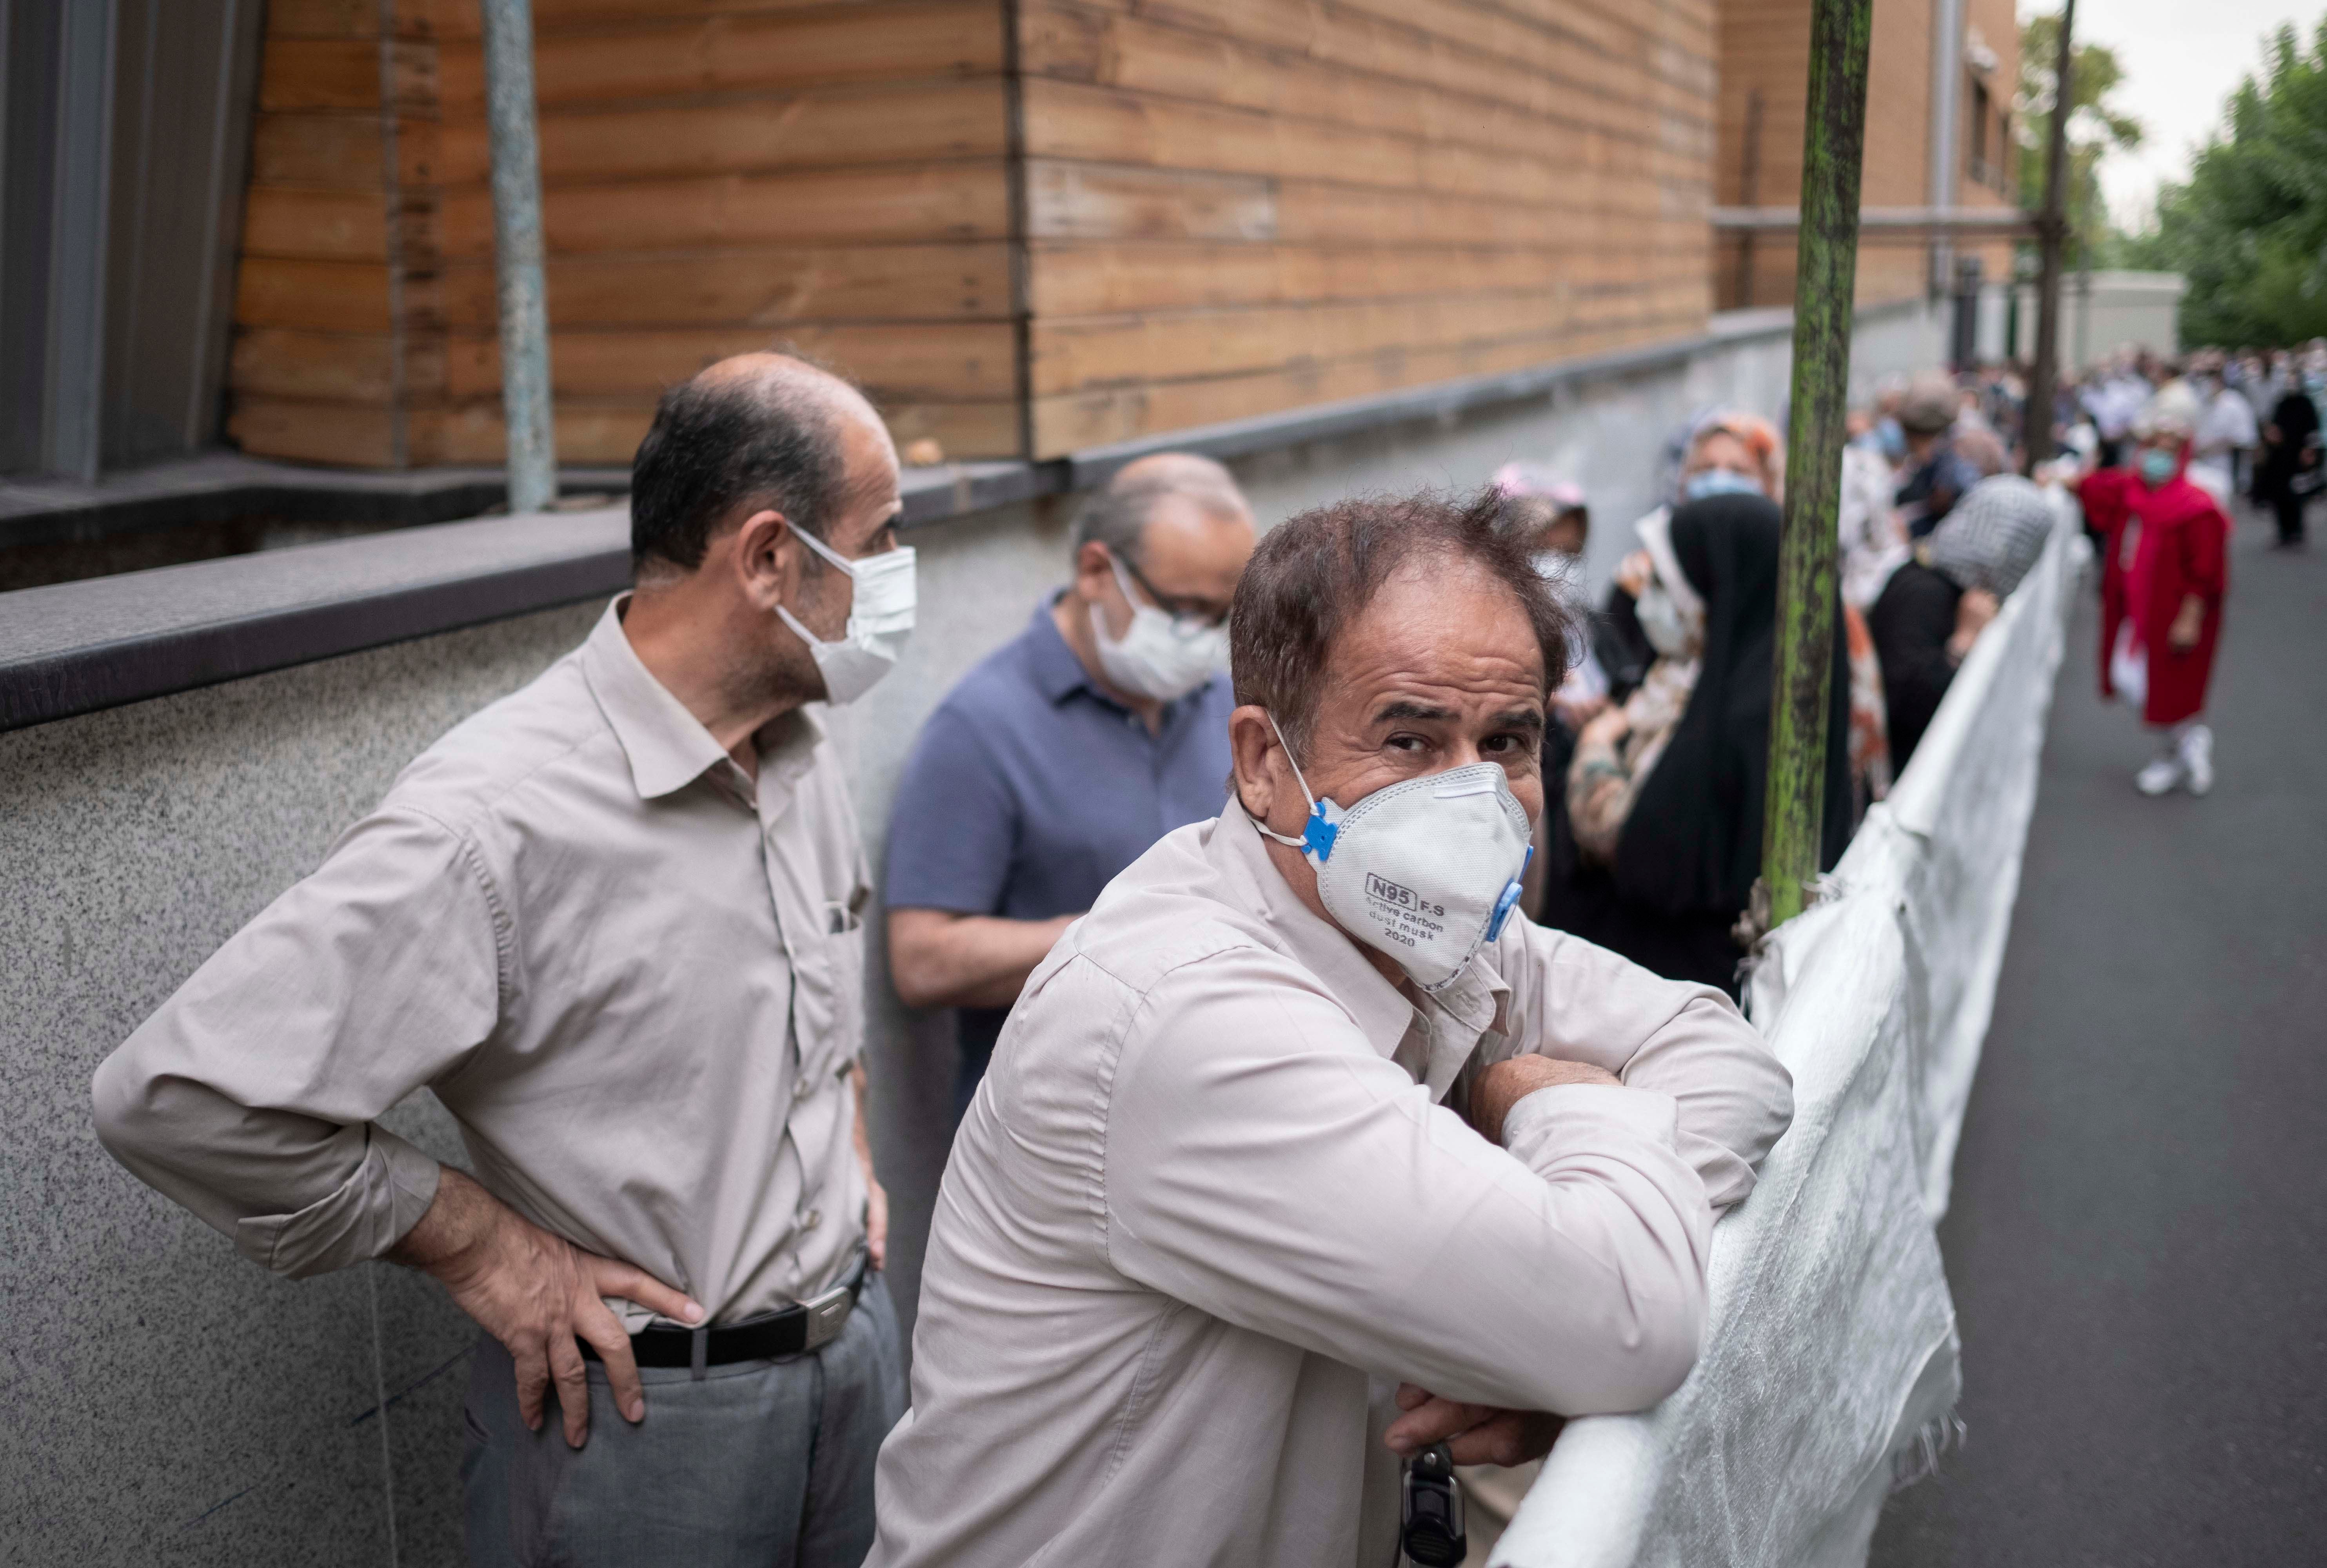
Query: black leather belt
[[807, 1325]]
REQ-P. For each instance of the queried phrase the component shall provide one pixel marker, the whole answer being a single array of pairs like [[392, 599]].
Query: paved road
[[2138, 1241]]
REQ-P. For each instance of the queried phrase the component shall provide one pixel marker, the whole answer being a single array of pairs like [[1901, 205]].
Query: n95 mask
[[1425, 870], [879, 619]]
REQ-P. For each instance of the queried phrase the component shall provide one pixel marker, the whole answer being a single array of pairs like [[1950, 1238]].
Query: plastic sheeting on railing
[[1830, 1361]]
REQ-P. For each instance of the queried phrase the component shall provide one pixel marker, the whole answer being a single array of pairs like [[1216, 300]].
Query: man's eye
[[1405, 742]]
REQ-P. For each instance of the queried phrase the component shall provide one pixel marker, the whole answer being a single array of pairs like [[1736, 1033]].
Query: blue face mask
[[2157, 467], [1718, 481], [1892, 440]]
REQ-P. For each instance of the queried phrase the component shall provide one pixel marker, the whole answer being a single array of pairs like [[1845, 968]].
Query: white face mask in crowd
[[1427, 870], [879, 619], [1665, 625], [1159, 656], [1562, 569]]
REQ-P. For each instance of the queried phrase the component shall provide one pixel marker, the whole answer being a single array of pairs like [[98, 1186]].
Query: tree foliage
[[2096, 127], [2249, 228]]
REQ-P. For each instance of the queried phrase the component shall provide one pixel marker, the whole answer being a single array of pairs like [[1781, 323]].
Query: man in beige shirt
[[615, 922], [1237, 1172]]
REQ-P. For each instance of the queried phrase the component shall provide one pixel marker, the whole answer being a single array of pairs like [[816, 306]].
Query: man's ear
[[1251, 739], [765, 558], [1094, 568]]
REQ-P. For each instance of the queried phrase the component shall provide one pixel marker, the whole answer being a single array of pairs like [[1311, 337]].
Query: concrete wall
[[2103, 312], [162, 1401]]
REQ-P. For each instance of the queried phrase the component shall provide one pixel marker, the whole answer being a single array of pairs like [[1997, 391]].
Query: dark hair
[[1313, 575], [720, 442]]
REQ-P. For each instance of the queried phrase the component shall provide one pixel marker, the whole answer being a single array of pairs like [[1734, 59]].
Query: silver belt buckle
[[826, 1314]]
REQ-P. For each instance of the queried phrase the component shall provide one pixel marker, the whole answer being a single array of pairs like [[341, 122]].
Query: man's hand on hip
[[1473, 1433], [537, 1293], [1505, 1083]]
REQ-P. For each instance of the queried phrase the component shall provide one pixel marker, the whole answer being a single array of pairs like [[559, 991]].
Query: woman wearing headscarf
[[1935, 606], [2169, 557], [1659, 839]]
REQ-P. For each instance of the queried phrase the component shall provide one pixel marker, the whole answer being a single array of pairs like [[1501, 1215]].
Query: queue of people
[[1343, 925]]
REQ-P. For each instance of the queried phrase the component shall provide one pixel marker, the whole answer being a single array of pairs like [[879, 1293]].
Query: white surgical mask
[[1425, 870], [1562, 569], [879, 619], [1666, 625], [1157, 656]]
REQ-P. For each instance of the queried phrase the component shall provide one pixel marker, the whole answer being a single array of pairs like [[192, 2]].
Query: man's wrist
[[454, 1229]]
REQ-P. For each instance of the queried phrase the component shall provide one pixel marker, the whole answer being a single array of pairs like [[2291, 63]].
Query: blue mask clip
[[1317, 834], [1510, 900]]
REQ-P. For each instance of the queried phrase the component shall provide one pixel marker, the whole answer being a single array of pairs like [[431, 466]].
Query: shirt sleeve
[[1580, 1003], [1263, 1164], [954, 830], [250, 1096]]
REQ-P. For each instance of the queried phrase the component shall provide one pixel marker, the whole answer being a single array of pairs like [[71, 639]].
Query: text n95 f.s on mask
[[1425, 870], [879, 619], [1152, 658]]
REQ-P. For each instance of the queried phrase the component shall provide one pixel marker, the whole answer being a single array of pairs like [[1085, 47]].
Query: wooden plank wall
[[1764, 49], [1240, 206], [717, 174]]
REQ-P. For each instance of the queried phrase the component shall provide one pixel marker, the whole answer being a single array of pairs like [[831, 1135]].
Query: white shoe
[[2196, 755], [2159, 775]]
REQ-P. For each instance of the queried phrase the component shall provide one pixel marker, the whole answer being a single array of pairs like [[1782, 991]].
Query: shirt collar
[[1381, 1010], [1058, 673], [667, 747]]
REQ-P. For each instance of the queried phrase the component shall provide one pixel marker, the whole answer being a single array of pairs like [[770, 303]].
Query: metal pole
[[2037, 428], [1825, 275], [517, 254]]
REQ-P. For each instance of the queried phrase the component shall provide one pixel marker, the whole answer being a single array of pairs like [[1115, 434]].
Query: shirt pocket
[[830, 1010]]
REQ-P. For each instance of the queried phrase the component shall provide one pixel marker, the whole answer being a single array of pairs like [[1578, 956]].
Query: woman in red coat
[[2162, 615]]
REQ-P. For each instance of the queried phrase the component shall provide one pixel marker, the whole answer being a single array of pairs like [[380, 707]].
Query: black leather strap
[[783, 1332]]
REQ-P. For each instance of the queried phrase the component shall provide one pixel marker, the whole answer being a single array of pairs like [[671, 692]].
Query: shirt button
[[811, 1219]]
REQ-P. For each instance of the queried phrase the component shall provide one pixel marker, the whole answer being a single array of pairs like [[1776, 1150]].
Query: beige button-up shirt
[[1213, 1199], [632, 973]]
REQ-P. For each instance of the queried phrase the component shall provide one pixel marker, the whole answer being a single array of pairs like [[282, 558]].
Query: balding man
[[614, 921], [1301, 1110], [1068, 751]]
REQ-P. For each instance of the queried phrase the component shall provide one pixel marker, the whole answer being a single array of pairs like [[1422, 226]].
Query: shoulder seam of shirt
[[504, 925]]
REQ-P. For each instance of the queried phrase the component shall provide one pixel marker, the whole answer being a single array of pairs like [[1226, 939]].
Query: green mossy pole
[[2054, 227], [1826, 274]]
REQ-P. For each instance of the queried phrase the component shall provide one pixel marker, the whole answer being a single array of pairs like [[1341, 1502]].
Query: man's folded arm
[[249, 1096], [1573, 1000], [1264, 1165]]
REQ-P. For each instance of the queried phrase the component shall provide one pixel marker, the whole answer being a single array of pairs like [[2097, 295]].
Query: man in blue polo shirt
[[1070, 750]]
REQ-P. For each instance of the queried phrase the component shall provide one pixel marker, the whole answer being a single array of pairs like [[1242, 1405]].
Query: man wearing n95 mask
[[1061, 758], [1302, 1151]]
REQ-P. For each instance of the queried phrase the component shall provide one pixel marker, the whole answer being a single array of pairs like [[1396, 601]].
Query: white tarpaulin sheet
[[1830, 1353]]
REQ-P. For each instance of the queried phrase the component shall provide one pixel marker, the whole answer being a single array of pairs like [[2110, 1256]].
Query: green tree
[[2096, 127], [2249, 228]]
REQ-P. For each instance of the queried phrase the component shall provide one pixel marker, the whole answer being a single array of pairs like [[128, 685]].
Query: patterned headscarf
[[1993, 537]]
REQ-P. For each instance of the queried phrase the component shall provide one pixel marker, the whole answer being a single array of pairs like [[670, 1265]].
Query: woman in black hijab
[[1691, 845], [2287, 474]]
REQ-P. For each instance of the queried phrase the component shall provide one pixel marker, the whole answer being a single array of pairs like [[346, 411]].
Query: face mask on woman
[[1718, 481], [1666, 624], [1159, 656], [2157, 467], [1425, 869]]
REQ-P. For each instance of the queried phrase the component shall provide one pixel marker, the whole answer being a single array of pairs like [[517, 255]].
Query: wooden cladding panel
[[716, 177], [1237, 206]]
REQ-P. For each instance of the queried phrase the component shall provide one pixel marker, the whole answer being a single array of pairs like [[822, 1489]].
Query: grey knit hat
[[1993, 537]]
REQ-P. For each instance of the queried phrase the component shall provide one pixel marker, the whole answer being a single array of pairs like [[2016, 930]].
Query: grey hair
[[1117, 513]]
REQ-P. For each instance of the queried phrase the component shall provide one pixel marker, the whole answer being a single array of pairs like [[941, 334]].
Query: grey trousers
[[760, 1464]]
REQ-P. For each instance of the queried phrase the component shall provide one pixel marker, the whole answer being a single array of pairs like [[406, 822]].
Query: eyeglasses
[[1191, 619]]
